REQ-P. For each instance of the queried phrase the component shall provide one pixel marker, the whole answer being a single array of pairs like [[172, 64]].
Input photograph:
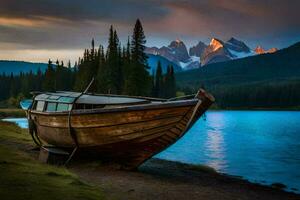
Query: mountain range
[[265, 80], [202, 54], [284, 64], [175, 54]]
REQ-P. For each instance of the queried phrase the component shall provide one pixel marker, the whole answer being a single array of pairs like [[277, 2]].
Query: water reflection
[[214, 144]]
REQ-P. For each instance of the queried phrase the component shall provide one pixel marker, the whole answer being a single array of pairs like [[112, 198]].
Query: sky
[[35, 31]]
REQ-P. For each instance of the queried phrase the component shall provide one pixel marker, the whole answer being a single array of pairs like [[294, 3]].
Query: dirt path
[[159, 179]]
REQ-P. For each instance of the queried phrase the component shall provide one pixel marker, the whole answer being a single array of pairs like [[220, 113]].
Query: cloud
[[255, 21], [70, 24], [78, 10], [233, 17]]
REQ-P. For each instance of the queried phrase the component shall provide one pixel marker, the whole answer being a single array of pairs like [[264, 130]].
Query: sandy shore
[[158, 179]]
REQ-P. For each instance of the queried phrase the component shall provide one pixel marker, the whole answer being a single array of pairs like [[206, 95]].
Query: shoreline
[[156, 179], [212, 171], [174, 180]]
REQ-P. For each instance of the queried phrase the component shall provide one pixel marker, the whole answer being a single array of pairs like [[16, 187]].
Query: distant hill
[[16, 67], [153, 60], [257, 77]]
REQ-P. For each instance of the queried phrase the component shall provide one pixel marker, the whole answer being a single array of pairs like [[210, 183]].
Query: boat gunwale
[[180, 103]]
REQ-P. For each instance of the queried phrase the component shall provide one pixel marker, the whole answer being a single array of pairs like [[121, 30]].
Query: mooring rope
[[73, 135], [32, 127]]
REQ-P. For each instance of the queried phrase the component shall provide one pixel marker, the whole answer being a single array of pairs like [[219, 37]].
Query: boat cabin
[[64, 101]]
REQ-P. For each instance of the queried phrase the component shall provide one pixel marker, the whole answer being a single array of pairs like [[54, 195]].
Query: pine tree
[[114, 73], [172, 82], [87, 69], [30, 84], [169, 83], [59, 76], [12, 84], [139, 81], [48, 83], [93, 50], [101, 78], [126, 65], [158, 81], [38, 80]]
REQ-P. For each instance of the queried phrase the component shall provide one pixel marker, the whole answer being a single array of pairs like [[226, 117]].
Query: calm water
[[22, 122], [262, 146]]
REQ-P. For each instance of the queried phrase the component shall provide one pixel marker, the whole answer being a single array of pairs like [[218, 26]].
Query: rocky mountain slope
[[202, 54], [176, 52], [281, 65]]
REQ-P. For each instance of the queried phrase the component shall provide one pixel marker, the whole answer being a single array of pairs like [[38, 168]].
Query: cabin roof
[[69, 97]]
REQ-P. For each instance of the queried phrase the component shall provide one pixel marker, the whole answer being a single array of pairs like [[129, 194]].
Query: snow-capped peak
[[216, 44], [202, 54], [272, 50], [178, 41], [259, 50]]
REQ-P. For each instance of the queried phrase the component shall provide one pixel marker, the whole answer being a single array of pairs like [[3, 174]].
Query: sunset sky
[[34, 30]]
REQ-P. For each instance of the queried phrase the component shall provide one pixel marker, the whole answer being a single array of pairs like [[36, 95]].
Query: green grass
[[23, 177], [10, 131], [12, 112]]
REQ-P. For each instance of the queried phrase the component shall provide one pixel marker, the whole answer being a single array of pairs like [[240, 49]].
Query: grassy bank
[[23, 177], [11, 112]]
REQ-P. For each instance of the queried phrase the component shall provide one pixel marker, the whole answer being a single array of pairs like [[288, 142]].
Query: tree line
[[116, 70], [269, 94]]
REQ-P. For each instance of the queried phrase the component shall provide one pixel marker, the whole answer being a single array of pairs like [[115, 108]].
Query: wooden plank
[[109, 119], [124, 118], [105, 135]]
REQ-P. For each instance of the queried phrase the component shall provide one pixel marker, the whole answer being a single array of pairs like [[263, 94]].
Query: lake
[[261, 146], [21, 122]]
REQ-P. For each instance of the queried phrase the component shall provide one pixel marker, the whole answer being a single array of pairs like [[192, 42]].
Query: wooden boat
[[126, 130]]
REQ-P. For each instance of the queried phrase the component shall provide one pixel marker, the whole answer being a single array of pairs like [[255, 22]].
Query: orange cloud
[[41, 55], [23, 22], [34, 22]]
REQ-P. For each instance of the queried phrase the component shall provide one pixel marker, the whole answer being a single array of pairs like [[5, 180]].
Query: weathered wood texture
[[130, 136]]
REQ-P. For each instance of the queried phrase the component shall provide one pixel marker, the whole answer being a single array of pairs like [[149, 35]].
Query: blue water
[[21, 122], [261, 146]]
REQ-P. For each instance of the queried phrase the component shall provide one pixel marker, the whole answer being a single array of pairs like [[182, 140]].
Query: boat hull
[[127, 135]]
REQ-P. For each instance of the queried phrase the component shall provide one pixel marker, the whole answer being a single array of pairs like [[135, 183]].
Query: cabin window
[[51, 107], [63, 107], [40, 105], [66, 99]]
